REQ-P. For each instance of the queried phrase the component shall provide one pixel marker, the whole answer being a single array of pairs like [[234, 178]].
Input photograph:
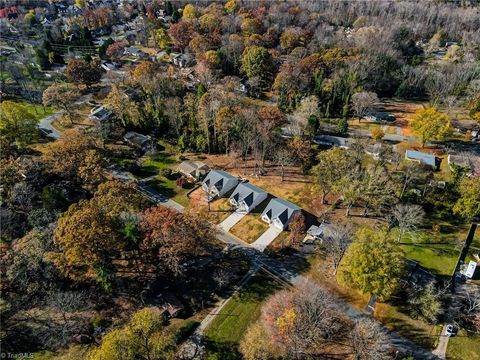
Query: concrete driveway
[[266, 238], [228, 223]]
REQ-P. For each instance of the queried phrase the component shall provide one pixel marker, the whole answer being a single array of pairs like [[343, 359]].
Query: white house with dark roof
[[218, 182], [422, 157], [279, 213], [246, 197]]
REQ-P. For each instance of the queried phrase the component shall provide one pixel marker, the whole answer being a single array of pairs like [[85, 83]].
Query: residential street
[[276, 268], [259, 259], [46, 124]]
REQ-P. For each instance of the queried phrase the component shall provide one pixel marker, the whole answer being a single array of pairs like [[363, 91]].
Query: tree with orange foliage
[[181, 34], [170, 238]]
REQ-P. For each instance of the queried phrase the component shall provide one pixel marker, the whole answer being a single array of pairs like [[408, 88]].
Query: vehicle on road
[[449, 330]]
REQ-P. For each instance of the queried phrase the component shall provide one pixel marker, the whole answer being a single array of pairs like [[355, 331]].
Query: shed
[[422, 157], [279, 213], [246, 197], [193, 169], [218, 182]]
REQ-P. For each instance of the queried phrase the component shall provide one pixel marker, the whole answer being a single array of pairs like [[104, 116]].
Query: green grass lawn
[[463, 346], [227, 329], [153, 166], [435, 252], [422, 333], [38, 111]]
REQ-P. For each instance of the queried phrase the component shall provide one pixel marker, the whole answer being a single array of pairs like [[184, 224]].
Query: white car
[[449, 330]]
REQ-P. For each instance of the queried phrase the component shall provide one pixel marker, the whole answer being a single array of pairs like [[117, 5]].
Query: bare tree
[[362, 102], [407, 217], [283, 157], [369, 341], [337, 238], [409, 174]]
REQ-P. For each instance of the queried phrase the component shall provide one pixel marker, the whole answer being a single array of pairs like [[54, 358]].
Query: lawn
[[152, 167], [249, 228], [227, 329], [463, 346], [436, 252], [37, 110]]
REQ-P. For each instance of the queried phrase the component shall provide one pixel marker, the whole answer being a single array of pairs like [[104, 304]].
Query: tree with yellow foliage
[[430, 124], [144, 337], [189, 12]]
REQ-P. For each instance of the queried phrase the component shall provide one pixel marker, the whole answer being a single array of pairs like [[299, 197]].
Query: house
[[466, 161], [279, 213], [193, 169], [139, 141], [333, 141], [379, 116], [218, 182], [183, 60], [108, 65], [136, 52], [246, 197], [100, 114], [422, 158], [170, 304]]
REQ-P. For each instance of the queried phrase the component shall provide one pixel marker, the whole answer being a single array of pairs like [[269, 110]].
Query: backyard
[[227, 329]]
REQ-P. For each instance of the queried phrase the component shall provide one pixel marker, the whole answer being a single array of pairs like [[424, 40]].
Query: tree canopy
[[373, 263]]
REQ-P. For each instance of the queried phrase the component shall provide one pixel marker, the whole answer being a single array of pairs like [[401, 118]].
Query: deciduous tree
[[373, 263], [17, 124], [362, 102], [407, 218], [256, 61], [169, 238], [468, 205], [430, 124], [332, 166], [82, 72], [337, 239], [181, 33], [62, 95]]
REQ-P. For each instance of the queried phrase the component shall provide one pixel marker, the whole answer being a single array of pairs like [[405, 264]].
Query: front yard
[[227, 329]]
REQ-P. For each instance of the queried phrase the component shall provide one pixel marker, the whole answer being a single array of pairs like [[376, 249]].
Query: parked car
[[450, 330]]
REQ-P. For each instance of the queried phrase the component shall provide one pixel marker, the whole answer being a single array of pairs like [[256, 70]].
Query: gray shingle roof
[[217, 178], [281, 209], [246, 192]]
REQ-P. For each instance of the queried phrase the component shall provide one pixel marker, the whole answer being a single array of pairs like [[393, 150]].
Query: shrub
[[181, 182], [166, 172]]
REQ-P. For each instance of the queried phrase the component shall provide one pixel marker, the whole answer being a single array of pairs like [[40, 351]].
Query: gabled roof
[[190, 166], [218, 178], [246, 192], [281, 209]]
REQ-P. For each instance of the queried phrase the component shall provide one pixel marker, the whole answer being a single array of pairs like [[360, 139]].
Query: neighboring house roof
[[280, 209], [137, 139], [424, 158], [192, 167], [469, 161], [247, 192], [100, 113], [335, 141], [218, 178]]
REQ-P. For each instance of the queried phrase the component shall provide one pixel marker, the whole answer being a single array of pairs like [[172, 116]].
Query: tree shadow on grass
[[161, 187], [217, 350]]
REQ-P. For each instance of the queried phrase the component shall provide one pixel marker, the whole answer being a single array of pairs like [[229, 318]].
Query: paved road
[[277, 269], [45, 125]]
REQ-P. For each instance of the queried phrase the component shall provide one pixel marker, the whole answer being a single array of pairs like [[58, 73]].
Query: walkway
[[266, 238], [230, 221]]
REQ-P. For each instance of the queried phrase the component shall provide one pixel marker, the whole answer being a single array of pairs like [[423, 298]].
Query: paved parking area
[[266, 238], [228, 223]]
